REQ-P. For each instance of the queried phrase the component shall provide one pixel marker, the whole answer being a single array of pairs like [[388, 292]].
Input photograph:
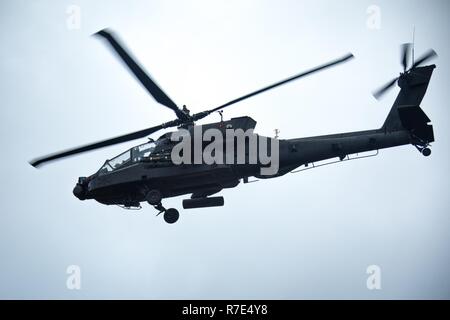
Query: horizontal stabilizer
[[412, 117]]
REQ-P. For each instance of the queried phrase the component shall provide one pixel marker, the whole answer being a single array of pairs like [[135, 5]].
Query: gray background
[[306, 235]]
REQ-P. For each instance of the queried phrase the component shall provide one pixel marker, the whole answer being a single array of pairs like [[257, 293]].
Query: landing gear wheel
[[154, 197], [171, 215], [426, 152]]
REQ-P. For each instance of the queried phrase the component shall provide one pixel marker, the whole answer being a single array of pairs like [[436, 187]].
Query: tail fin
[[406, 112]]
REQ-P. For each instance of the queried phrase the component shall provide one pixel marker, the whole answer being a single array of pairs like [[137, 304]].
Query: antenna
[[276, 133], [414, 39]]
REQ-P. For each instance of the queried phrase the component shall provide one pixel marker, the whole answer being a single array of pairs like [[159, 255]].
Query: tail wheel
[[171, 215], [426, 152]]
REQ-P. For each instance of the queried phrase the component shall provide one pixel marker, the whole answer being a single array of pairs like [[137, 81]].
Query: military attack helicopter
[[147, 173]]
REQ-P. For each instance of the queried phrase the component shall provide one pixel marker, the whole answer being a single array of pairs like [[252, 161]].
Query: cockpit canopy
[[130, 156]]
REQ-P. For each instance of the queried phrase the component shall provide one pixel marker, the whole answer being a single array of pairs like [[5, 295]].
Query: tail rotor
[[406, 50]]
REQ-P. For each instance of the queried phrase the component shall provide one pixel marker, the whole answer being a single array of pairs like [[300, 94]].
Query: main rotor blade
[[405, 54], [380, 92], [157, 93], [303, 74], [427, 56], [104, 143]]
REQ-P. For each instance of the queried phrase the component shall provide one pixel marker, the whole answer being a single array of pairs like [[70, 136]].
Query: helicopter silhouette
[[147, 172]]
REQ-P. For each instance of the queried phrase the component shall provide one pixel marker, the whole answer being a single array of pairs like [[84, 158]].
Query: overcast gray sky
[[305, 235]]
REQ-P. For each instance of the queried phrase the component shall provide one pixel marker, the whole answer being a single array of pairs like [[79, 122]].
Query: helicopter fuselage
[[128, 185]]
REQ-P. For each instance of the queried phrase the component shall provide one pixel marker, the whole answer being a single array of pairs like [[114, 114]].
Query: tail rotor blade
[[427, 56], [380, 92], [405, 55]]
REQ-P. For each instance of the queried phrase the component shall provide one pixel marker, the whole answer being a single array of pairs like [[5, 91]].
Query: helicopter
[[147, 172]]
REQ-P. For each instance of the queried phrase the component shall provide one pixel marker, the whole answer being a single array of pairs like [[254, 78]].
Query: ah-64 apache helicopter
[[147, 173]]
